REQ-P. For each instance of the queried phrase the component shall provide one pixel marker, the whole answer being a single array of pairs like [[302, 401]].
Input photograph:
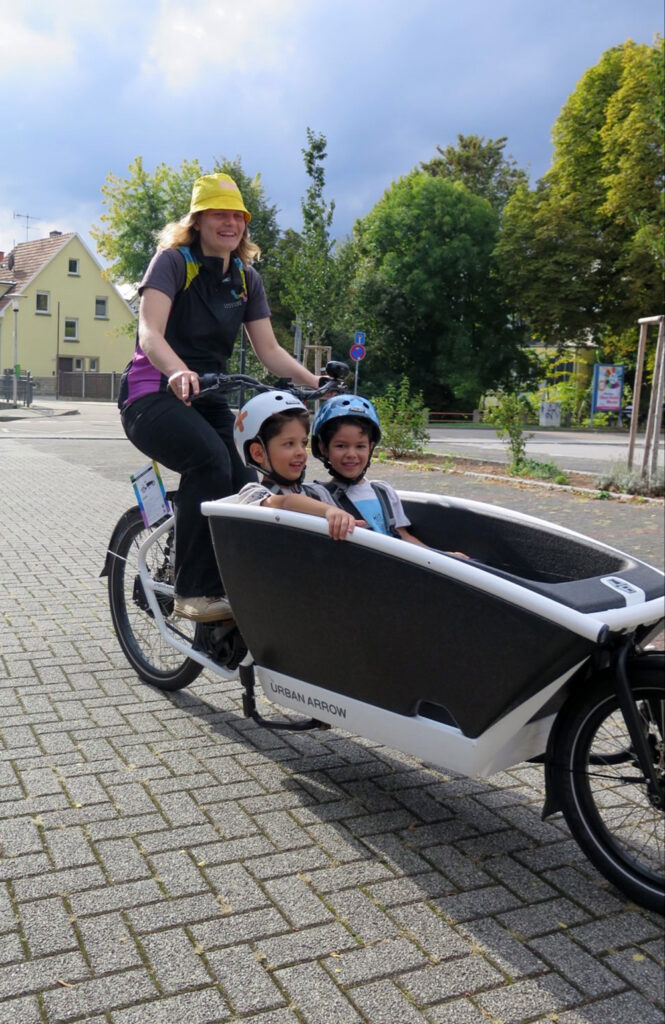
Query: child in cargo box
[[270, 434]]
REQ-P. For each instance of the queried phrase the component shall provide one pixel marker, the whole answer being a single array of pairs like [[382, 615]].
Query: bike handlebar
[[333, 383]]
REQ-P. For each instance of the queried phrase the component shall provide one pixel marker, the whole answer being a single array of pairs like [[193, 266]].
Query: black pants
[[197, 442]]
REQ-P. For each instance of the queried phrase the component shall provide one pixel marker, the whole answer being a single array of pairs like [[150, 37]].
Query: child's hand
[[340, 523]]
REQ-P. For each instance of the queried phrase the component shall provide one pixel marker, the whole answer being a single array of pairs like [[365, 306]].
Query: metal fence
[[89, 385], [24, 389]]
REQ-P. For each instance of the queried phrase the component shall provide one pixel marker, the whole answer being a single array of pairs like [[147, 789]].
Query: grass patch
[[535, 470]]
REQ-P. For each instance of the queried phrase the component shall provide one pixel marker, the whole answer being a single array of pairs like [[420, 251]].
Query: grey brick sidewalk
[[163, 860]]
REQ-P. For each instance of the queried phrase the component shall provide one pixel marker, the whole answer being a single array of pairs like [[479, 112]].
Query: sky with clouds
[[89, 85]]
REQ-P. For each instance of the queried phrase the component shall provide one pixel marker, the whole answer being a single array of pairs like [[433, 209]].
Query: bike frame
[[151, 589]]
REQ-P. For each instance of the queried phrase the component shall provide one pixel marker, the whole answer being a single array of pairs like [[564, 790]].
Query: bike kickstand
[[250, 709]]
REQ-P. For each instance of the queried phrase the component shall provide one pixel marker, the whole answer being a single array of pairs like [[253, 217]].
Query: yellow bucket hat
[[217, 192]]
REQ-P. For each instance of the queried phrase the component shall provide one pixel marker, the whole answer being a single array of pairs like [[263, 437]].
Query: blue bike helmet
[[344, 407]]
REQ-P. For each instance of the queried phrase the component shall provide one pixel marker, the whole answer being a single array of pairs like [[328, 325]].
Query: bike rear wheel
[[150, 655], [607, 803]]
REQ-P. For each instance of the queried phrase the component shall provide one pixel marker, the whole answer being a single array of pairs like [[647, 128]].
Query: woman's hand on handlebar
[[185, 385], [331, 383]]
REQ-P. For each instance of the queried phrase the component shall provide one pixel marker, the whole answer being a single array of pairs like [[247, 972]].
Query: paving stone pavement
[[162, 859]]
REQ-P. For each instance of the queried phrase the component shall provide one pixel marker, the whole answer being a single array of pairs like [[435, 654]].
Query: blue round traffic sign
[[357, 352]]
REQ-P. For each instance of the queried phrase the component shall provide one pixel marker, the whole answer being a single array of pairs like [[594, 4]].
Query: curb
[[528, 481], [24, 413]]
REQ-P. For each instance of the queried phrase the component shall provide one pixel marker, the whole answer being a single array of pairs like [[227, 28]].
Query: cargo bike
[[538, 648]]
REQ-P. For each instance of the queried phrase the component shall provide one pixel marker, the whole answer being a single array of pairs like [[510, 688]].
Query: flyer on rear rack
[[150, 494]]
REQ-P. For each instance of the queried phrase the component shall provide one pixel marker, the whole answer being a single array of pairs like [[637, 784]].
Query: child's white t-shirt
[[255, 493], [363, 497]]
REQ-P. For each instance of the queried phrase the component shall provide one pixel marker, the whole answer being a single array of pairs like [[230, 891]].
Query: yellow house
[[58, 312]]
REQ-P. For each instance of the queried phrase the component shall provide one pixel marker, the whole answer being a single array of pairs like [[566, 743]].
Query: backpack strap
[[341, 498], [192, 265], [388, 515]]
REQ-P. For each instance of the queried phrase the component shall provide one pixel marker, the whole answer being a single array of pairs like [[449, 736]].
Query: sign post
[[357, 352]]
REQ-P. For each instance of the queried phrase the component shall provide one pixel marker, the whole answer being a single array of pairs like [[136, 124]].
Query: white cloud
[[40, 39], [28, 50], [230, 36]]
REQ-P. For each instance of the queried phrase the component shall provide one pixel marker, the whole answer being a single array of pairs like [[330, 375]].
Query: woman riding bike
[[197, 292]]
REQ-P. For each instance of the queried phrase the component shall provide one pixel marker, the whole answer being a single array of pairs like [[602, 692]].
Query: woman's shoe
[[203, 609]]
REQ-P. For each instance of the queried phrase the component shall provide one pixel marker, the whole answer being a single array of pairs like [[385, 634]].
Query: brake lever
[[208, 382], [332, 387]]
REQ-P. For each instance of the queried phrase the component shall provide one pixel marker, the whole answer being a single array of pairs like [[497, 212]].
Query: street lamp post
[[15, 377]]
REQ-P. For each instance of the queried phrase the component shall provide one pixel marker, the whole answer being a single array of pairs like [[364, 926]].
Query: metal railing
[[21, 394]]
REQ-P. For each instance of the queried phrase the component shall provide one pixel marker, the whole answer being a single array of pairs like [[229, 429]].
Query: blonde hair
[[184, 232]]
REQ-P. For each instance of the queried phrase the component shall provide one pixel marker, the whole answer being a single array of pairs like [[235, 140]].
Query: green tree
[[425, 292], [632, 159], [140, 205], [481, 166], [579, 254], [309, 282], [137, 208]]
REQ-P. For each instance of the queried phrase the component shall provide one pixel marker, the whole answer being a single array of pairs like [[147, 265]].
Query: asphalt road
[[570, 450], [90, 434]]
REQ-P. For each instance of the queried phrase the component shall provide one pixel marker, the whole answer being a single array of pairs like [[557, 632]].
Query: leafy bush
[[540, 471], [600, 419], [509, 416], [618, 477], [403, 419]]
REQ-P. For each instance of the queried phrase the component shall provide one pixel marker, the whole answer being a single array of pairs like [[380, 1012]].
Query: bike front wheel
[[614, 814], [148, 652]]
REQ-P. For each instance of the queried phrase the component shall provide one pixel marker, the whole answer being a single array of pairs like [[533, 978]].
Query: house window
[[73, 268], [71, 329], [93, 365], [78, 365], [101, 308], [43, 302]]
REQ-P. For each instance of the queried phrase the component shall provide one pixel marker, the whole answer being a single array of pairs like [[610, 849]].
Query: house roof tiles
[[26, 260]]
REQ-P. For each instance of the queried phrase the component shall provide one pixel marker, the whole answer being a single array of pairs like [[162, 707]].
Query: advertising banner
[[607, 388]]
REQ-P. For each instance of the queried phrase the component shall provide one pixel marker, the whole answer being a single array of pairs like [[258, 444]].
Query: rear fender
[[118, 530]]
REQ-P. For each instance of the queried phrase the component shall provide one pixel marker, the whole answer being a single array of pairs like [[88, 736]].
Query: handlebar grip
[[208, 380]]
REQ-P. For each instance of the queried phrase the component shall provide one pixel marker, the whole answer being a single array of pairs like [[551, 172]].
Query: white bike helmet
[[253, 415]]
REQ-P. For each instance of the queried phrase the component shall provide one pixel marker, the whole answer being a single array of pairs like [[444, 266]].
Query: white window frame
[[78, 365], [75, 272], [43, 312], [93, 364], [71, 320], [105, 314]]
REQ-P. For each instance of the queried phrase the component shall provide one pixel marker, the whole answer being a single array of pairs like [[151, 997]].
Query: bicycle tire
[[154, 660], [602, 789]]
